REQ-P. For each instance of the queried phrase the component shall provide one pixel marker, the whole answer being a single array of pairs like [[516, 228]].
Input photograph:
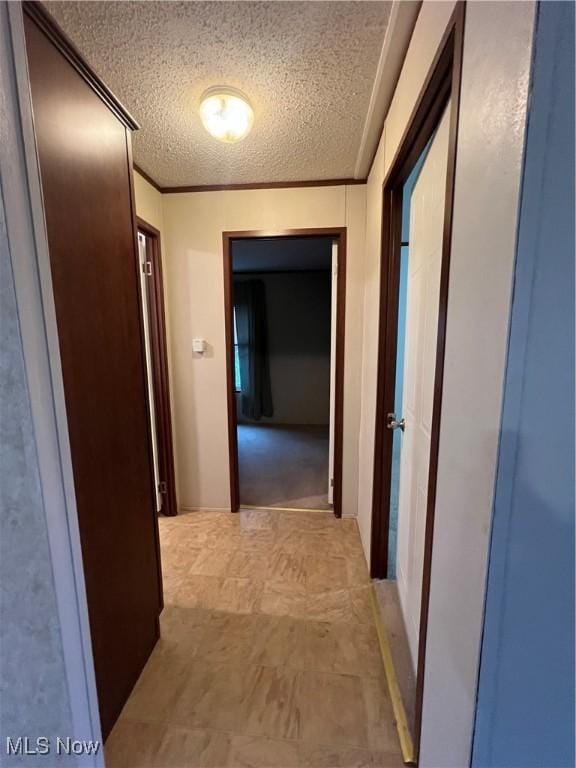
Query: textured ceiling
[[307, 67]]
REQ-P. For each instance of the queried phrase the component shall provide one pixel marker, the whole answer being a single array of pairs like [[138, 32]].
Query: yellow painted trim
[[285, 509], [406, 744]]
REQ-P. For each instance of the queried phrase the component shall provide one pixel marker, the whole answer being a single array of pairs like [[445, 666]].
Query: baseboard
[[404, 735]]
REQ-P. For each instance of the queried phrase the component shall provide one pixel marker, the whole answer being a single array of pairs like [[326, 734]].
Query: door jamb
[[160, 368], [442, 84], [339, 234]]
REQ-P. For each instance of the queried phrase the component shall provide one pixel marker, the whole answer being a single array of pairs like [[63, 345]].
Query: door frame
[[161, 381], [228, 238], [442, 84]]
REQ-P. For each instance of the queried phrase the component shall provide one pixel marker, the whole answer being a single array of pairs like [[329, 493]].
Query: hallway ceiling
[[307, 67], [301, 254]]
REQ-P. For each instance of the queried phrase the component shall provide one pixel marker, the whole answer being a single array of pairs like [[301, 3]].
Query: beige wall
[[192, 226], [493, 110], [148, 202], [497, 50]]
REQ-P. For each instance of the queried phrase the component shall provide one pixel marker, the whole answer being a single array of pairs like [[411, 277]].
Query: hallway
[[268, 654]]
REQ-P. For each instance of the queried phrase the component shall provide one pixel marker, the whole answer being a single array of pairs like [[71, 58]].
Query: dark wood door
[[85, 164]]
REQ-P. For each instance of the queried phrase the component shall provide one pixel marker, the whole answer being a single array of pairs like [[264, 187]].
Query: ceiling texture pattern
[[308, 69]]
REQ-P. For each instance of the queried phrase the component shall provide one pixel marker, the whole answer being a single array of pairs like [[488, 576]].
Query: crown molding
[[254, 185], [41, 16], [146, 176]]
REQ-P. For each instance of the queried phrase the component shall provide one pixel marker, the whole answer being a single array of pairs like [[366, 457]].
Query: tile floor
[[268, 654]]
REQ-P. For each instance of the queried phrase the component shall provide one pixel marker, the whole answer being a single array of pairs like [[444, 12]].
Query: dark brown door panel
[[84, 154]]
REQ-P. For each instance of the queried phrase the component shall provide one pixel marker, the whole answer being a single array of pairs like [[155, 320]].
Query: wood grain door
[[85, 163]]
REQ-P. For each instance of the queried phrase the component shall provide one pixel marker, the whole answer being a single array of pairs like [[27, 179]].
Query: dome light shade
[[226, 114]]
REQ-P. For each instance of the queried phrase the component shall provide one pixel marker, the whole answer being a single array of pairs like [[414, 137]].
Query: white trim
[[36, 312], [401, 24]]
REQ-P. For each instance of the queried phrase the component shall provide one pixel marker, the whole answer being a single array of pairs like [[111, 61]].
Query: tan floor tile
[[170, 587], [332, 709], [332, 605], [318, 543], [211, 562], [392, 759], [207, 519], [181, 631], [240, 595], [382, 734], [284, 599], [228, 638], [286, 566], [259, 752], [313, 756], [325, 573], [157, 689], [256, 537], [248, 564], [278, 641], [268, 654], [306, 521], [349, 527], [348, 649], [177, 560], [187, 537], [257, 546], [199, 591], [220, 594], [269, 708], [257, 519], [193, 748], [212, 696], [361, 603], [133, 744], [357, 569], [239, 537], [221, 538], [329, 543]]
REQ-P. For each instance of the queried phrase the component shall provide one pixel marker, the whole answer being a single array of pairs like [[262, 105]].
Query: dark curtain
[[250, 310]]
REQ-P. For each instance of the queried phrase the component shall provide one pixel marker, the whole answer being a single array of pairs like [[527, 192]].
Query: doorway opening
[[154, 328], [418, 195], [284, 302]]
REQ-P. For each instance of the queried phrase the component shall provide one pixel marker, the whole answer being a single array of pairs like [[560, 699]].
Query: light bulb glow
[[226, 114]]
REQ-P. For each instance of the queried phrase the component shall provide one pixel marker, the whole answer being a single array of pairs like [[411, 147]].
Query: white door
[[145, 273], [332, 372], [423, 290]]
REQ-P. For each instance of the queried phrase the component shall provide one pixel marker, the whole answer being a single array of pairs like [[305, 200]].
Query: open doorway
[[154, 328], [285, 335]]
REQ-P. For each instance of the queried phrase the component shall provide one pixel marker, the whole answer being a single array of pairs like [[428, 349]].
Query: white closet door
[[424, 263]]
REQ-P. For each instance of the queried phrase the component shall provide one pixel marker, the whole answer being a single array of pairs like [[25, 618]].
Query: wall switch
[[198, 345]]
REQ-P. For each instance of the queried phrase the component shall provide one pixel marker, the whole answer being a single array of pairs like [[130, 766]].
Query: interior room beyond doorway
[[283, 370]]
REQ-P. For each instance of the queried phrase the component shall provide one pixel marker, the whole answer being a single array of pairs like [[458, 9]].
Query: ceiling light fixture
[[226, 114]]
